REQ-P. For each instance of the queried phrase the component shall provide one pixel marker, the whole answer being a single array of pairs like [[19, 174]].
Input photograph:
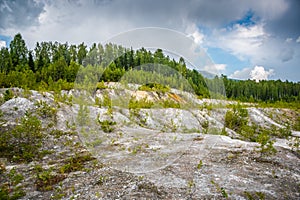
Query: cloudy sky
[[245, 39]]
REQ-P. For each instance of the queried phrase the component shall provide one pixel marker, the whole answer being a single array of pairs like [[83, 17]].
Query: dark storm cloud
[[288, 25], [19, 13]]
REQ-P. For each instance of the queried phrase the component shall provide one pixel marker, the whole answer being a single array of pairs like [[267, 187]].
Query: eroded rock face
[[16, 108], [151, 154]]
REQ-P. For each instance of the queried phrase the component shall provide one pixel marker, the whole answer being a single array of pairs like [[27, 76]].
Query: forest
[[54, 66]]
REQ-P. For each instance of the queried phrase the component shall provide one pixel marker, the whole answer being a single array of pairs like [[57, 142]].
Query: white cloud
[[2, 43], [259, 73], [240, 40], [195, 33], [198, 37], [241, 74], [298, 40], [215, 68]]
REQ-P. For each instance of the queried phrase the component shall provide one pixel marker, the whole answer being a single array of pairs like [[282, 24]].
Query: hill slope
[[174, 146]]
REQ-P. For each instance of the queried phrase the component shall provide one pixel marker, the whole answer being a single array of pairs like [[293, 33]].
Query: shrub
[[101, 85], [106, 100], [24, 141], [45, 179], [170, 104], [83, 116], [11, 190], [296, 126], [154, 87], [237, 118], [143, 103], [107, 126], [266, 144], [45, 110], [8, 95]]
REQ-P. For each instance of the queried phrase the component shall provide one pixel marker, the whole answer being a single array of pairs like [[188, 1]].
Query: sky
[[245, 39]]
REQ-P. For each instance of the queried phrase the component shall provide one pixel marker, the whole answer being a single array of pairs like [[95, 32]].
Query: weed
[[200, 164], [8, 95], [83, 116], [45, 179], [107, 126]]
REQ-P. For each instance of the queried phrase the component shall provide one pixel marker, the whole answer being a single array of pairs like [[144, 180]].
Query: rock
[[16, 108], [152, 153]]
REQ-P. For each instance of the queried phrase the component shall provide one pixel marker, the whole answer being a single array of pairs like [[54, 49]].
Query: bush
[[107, 126], [170, 104], [154, 87], [143, 103], [266, 144], [296, 126], [24, 141], [45, 179], [83, 116], [8, 95], [101, 85], [237, 118], [45, 110]]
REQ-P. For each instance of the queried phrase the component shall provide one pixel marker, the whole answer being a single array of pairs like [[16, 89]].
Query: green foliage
[[296, 126], [170, 104], [44, 110], [266, 144], [45, 179], [294, 143], [154, 87], [11, 190], [15, 178], [101, 85], [220, 189], [75, 163], [200, 164], [8, 95], [143, 103], [83, 116], [254, 195], [107, 100], [205, 126], [23, 142], [237, 118], [107, 126], [54, 66]]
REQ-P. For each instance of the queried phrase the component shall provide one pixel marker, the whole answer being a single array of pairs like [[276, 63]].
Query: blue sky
[[245, 39]]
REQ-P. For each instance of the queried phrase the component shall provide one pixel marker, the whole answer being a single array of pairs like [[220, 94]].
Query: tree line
[[53, 65]]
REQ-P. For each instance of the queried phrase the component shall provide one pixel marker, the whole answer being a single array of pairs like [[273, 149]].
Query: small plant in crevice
[[44, 110], [254, 195], [75, 163], [236, 118], [83, 116], [220, 189], [200, 164], [46, 178], [107, 126], [12, 189], [266, 144], [296, 125], [294, 143], [205, 126]]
